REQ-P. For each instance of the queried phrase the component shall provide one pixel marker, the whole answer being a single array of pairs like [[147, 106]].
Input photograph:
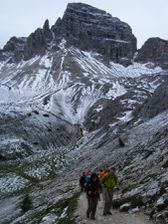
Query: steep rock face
[[154, 50], [14, 47], [89, 28], [35, 44], [157, 103], [47, 32], [102, 113], [38, 41]]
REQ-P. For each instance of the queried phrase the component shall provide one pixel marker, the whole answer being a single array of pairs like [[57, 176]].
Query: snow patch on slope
[[134, 70], [116, 91]]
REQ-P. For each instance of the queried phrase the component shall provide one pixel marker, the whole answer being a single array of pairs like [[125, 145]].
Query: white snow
[[62, 44], [99, 108], [116, 91], [63, 215], [39, 172], [160, 201], [49, 219], [46, 61], [67, 98], [11, 183], [118, 41], [30, 61], [90, 64], [134, 70], [126, 117]]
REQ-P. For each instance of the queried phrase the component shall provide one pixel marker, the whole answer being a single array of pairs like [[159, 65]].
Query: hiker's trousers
[[92, 205], [107, 196]]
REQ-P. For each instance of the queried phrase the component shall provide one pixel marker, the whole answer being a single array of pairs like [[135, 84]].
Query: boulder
[[161, 203], [125, 207]]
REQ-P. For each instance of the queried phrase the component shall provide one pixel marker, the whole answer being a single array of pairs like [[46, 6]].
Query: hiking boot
[[93, 218], [87, 214]]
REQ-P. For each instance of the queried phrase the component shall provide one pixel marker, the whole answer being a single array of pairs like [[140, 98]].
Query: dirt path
[[116, 217]]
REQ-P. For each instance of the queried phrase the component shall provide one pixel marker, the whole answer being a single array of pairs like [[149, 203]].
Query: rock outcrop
[[47, 31], [15, 48], [38, 41], [35, 44], [103, 112], [25, 48], [89, 28], [157, 103], [84, 27], [154, 50]]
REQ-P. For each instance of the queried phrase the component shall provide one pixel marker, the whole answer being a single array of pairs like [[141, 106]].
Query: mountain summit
[[89, 28], [85, 27]]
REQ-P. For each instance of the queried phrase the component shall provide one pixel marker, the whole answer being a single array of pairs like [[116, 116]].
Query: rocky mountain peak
[[89, 28], [38, 41], [84, 27], [15, 48], [14, 43], [154, 50], [36, 44], [47, 32]]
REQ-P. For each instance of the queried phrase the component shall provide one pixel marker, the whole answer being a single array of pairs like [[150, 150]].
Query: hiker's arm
[[102, 180]]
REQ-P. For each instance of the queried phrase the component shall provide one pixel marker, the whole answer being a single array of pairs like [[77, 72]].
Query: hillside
[[67, 94]]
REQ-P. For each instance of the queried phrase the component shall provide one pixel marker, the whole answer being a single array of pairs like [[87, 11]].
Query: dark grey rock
[[96, 119], [47, 32], [89, 28], [154, 50], [1, 54], [157, 103], [125, 207], [38, 42], [14, 47], [162, 202], [35, 45]]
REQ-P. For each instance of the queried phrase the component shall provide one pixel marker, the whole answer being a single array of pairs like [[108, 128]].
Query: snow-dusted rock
[[125, 207]]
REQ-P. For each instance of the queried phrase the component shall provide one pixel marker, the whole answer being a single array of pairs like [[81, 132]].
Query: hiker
[[82, 181], [92, 189], [109, 182], [101, 174], [88, 175]]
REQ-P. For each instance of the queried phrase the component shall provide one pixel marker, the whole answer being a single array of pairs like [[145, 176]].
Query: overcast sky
[[148, 18]]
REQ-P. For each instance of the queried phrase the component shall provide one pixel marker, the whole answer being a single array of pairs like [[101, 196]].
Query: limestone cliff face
[[84, 27], [15, 48], [38, 41], [154, 50], [89, 28], [157, 103]]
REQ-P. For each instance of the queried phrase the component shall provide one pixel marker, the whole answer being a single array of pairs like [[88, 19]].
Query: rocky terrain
[[68, 93], [154, 50], [116, 217]]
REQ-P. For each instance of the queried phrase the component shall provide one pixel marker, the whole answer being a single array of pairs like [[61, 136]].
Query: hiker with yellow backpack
[[109, 182]]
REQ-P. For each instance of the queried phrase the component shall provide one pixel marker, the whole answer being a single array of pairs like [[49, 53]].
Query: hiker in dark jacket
[[82, 181], [92, 189]]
